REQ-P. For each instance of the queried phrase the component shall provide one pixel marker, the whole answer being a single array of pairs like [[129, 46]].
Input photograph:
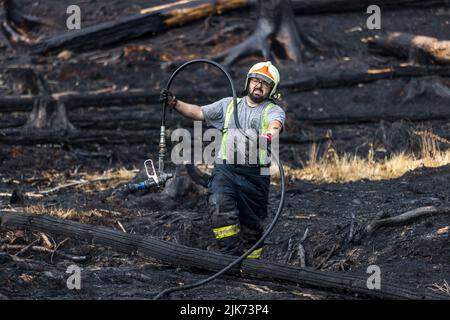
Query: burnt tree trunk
[[147, 21], [46, 114], [416, 48], [276, 32]]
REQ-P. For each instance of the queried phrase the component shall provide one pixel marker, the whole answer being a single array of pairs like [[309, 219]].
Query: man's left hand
[[265, 137]]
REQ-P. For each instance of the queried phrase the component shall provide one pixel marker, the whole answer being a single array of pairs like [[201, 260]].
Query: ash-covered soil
[[416, 254]]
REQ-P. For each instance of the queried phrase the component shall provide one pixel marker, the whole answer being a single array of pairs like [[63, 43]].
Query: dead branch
[[302, 255], [75, 183], [352, 228], [43, 250], [329, 255], [24, 249], [405, 218], [180, 255]]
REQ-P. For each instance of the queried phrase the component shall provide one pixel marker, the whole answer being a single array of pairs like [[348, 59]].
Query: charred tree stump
[[179, 255], [46, 114], [275, 29], [419, 50]]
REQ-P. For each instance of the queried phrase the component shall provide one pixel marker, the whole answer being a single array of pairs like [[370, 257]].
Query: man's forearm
[[275, 128], [190, 111]]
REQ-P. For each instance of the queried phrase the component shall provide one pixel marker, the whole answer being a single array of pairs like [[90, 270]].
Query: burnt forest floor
[[416, 254]]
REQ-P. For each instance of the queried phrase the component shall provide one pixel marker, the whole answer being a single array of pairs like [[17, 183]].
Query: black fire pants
[[237, 201]]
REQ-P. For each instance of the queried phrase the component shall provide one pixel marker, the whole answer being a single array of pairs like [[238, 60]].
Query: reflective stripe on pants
[[227, 231], [256, 254]]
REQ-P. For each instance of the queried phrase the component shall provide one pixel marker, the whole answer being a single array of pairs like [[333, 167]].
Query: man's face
[[258, 90]]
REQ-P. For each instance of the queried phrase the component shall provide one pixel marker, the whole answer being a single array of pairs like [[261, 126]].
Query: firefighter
[[237, 190]]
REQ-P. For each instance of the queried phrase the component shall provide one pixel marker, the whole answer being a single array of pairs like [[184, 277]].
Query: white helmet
[[265, 71]]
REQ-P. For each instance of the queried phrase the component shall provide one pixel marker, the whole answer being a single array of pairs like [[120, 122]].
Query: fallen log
[[149, 120], [102, 98], [148, 21], [112, 119], [416, 48], [343, 75], [305, 7], [17, 136], [373, 118], [76, 137], [179, 255], [308, 79]]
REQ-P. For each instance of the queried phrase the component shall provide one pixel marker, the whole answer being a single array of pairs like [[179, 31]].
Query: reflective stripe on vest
[[230, 109], [264, 127]]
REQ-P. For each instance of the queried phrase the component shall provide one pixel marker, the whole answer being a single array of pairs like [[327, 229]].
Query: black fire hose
[[161, 166]]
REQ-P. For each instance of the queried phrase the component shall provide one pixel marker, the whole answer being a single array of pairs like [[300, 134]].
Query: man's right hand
[[169, 98]]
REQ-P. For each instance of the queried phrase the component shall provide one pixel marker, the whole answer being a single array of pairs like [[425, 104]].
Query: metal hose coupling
[[149, 183], [162, 149]]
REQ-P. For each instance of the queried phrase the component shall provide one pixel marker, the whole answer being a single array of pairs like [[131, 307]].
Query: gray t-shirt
[[250, 119]]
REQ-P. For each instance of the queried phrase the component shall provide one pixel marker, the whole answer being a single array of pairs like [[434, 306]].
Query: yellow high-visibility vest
[[264, 127]]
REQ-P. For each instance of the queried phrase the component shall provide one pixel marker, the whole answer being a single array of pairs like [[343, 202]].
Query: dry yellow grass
[[121, 174], [347, 168], [70, 214]]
